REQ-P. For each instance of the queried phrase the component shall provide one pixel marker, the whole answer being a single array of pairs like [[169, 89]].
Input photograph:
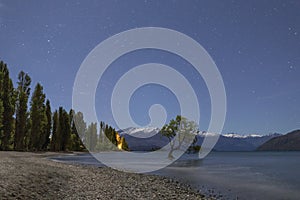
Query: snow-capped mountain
[[143, 132], [144, 139], [149, 138], [233, 135]]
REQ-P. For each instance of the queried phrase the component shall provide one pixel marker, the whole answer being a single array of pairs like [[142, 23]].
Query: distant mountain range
[[287, 142], [229, 142], [147, 139]]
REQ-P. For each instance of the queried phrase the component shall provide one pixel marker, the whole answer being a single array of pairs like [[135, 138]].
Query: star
[[292, 31], [291, 68]]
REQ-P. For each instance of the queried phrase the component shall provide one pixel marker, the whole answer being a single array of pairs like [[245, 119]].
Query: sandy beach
[[32, 176]]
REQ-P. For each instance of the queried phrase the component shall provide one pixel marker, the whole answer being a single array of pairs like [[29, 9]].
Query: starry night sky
[[255, 44]]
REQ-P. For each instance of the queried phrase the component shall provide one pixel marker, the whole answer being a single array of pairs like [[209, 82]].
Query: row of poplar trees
[[23, 128], [38, 129]]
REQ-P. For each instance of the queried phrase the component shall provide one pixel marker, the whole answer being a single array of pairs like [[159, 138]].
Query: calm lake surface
[[232, 175]]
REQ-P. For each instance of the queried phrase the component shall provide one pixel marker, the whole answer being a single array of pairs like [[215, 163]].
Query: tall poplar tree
[[37, 117], [1, 107], [76, 143], [48, 126], [80, 126], [23, 92], [1, 118], [8, 102], [91, 136], [65, 130], [55, 142]]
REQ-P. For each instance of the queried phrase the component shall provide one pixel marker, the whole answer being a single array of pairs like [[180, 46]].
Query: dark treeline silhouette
[[38, 129]]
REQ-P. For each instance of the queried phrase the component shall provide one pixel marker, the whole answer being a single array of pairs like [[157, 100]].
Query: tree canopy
[[181, 133]]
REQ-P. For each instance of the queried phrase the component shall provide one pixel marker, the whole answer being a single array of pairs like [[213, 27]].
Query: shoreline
[[207, 191], [26, 175]]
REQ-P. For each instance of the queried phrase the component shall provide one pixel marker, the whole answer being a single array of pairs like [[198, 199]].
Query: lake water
[[232, 175]]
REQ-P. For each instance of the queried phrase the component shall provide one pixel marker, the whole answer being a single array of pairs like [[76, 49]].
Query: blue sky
[[255, 45]]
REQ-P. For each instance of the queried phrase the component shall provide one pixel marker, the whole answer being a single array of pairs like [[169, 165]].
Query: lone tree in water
[[180, 133]]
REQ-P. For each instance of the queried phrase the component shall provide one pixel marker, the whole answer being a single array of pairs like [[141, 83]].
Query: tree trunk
[[170, 155]]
